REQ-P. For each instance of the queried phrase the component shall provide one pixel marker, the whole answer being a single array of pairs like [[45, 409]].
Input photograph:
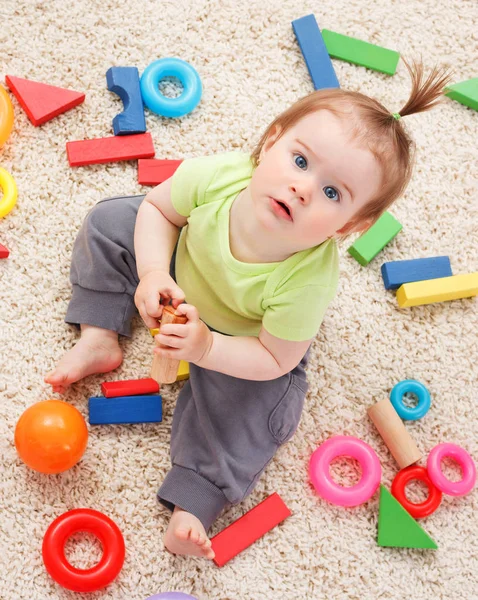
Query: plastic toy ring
[[10, 193], [422, 509], [171, 107], [341, 445], [6, 116], [417, 388], [452, 488], [83, 580]]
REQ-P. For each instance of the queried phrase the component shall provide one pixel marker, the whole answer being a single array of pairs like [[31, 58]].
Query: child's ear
[[271, 139]]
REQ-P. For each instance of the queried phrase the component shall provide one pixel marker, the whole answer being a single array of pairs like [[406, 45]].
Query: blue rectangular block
[[125, 410], [399, 272], [315, 53]]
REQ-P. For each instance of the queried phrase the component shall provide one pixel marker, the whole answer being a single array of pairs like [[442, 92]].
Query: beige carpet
[[251, 68]]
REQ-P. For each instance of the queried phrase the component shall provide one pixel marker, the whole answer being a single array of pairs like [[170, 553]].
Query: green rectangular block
[[465, 92], [360, 53], [368, 245]]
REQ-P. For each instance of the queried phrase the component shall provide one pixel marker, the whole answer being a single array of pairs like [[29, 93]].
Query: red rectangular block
[[249, 528], [110, 149], [129, 387], [4, 252], [152, 171]]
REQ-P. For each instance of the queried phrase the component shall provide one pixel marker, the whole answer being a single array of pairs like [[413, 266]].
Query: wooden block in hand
[[165, 370]]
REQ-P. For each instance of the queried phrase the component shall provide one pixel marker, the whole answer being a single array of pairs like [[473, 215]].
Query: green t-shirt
[[289, 297]]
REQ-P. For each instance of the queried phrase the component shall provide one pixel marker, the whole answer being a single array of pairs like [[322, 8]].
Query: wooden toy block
[[124, 81], [394, 434], [130, 387], [249, 528], [465, 92], [438, 290], [315, 53], [41, 101], [154, 331], [368, 245], [153, 172], [398, 272], [125, 410], [360, 53], [109, 149], [4, 252], [165, 370], [183, 371], [397, 528]]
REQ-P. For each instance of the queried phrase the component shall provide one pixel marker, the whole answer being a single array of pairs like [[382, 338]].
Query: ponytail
[[428, 94]]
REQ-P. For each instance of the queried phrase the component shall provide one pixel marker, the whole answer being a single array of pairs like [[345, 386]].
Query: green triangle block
[[465, 92], [397, 528]]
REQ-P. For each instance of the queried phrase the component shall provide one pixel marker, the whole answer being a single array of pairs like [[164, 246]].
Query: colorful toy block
[[152, 171], [315, 53], [109, 149], [249, 528], [130, 387], [124, 81], [125, 410], [4, 252], [368, 245], [183, 371], [360, 53], [398, 272], [465, 92], [41, 101], [438, 290], [397, 528]]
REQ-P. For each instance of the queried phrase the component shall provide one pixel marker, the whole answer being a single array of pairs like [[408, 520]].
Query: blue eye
[[300, 161], [331, 193]]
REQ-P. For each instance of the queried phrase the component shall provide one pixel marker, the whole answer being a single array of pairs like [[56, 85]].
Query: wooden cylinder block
[[394, 434], [165, 370]]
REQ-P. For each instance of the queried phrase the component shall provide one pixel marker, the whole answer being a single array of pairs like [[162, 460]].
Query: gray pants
[[225, 430]]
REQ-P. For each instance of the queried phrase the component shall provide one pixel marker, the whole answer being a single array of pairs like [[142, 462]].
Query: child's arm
[[156, 230], [257, 359]]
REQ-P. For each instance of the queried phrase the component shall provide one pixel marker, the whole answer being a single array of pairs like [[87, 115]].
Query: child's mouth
[[281, 209]]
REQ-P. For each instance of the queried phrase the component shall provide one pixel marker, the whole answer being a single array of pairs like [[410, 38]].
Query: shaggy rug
[[251, 68]]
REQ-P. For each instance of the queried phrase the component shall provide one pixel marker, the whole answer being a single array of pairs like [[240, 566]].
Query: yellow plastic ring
[[6, 116], [10, 193]]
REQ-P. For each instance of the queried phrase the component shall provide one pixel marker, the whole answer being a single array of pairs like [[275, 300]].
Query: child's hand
[[154, 287], [191, 341]]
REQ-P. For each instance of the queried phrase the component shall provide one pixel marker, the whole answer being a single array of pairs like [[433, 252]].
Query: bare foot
[[97, 351], [186, 536]]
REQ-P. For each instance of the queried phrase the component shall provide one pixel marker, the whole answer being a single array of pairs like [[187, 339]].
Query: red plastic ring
[[423, 509], [83, 580]]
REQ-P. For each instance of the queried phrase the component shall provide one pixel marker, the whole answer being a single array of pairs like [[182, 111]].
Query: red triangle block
[[41, 101]]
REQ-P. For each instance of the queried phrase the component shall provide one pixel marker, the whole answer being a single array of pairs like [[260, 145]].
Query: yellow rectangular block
[[183, 370], [438, 290]]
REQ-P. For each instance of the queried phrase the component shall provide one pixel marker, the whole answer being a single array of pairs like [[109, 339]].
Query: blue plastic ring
[[171, 107], [420, 391]]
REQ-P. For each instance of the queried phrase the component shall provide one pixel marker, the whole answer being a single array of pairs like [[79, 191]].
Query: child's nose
[[298, 193]]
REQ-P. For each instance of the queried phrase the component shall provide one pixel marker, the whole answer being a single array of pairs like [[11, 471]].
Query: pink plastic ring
[[341, 445], [452, 488]]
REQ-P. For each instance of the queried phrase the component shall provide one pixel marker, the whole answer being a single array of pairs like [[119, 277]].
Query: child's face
[[322, 174]]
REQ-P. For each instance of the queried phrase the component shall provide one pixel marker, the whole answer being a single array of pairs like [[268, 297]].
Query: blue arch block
[[124, 81], [398, 272]]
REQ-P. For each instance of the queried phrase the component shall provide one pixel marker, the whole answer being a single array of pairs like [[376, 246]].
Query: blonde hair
[[376, 126]]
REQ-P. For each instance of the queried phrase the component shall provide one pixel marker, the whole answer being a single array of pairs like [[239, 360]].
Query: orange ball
[[51, 436]]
